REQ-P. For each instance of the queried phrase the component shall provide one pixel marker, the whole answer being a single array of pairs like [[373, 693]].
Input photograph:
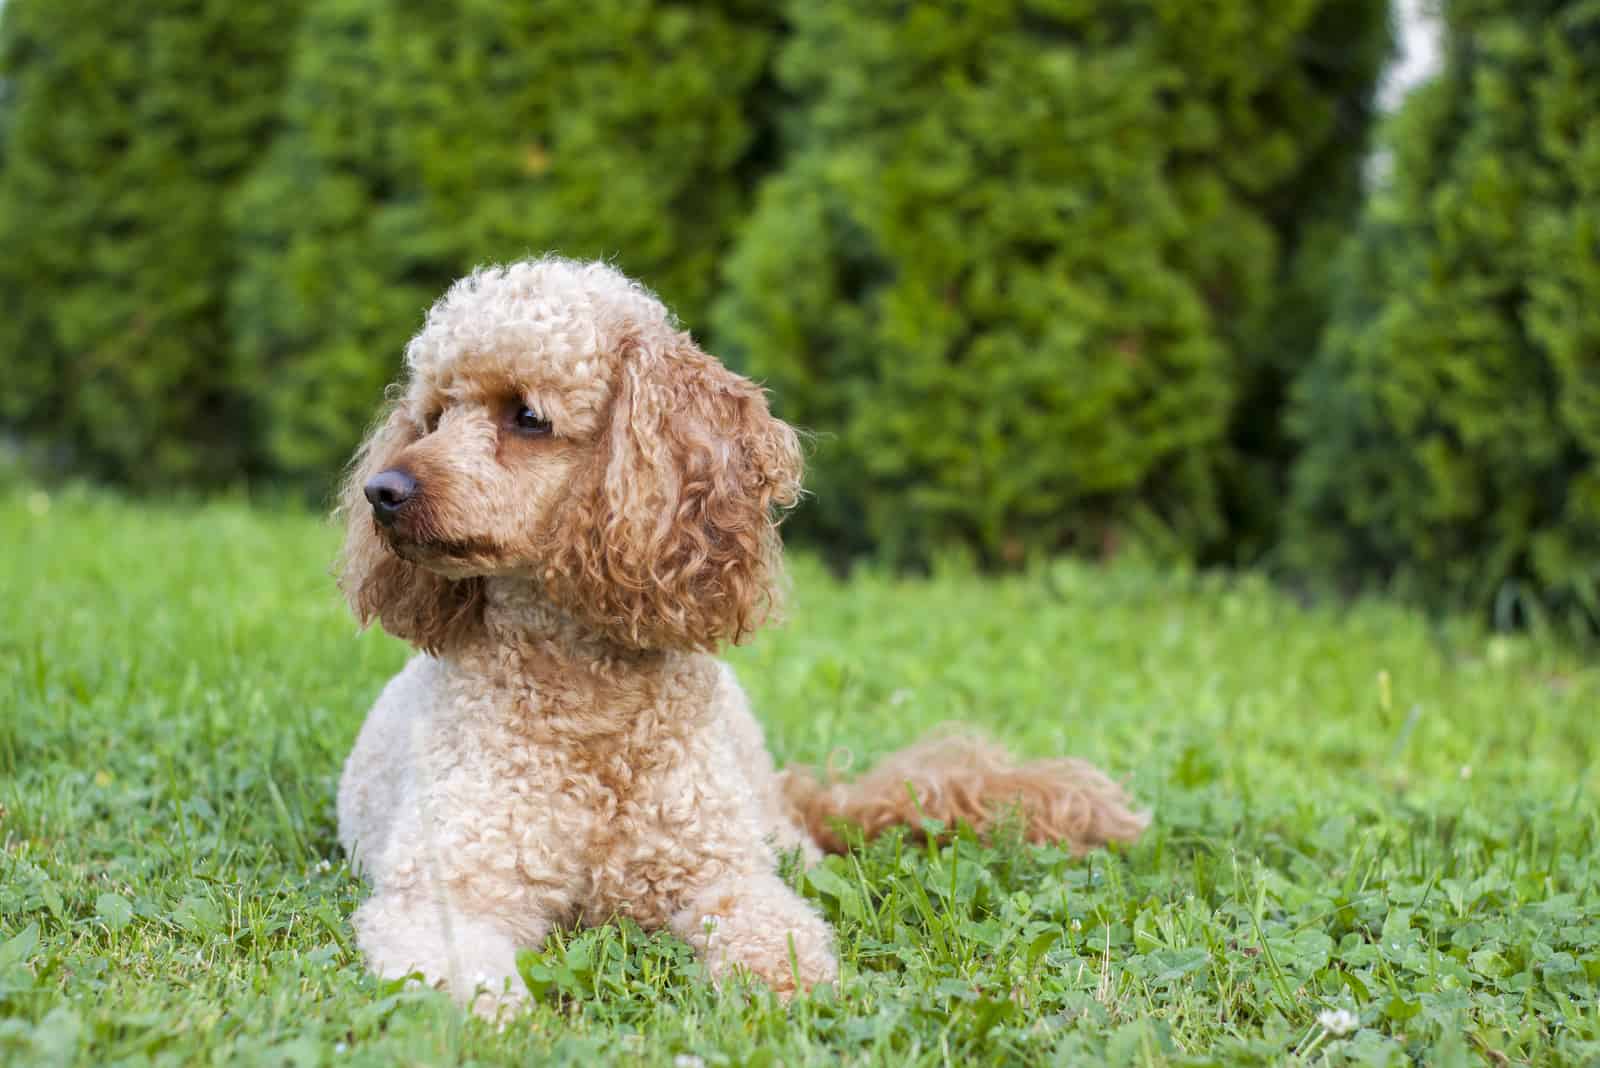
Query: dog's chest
[[591, 822]]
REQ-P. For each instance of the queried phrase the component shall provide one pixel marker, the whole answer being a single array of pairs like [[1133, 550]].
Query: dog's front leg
[[470, 955], [757, 923]]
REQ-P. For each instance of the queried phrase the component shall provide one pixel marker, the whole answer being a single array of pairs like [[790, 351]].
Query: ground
[[1356, 811]]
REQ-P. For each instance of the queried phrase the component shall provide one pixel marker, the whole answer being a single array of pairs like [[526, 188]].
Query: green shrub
[[332, 280], [1343, 48], [424, 140], [1023, 258], [125, 127], [1452, 419]]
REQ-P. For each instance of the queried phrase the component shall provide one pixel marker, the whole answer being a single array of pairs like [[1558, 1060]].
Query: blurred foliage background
[[1042, 275]]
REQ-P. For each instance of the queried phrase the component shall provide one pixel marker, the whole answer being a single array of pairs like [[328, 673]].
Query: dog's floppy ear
[[672, 541], [428, 610]]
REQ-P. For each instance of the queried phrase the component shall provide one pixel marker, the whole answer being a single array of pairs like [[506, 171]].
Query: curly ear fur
[[672, 541], [410, 602]]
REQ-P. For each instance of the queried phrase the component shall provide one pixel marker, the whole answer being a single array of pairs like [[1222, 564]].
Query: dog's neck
[[517, 615], [578, 686]]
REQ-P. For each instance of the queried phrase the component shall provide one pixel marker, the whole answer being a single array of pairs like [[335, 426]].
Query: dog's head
[[556, 426]]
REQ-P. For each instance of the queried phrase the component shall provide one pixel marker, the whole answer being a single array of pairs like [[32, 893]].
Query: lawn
[[1356, 811]]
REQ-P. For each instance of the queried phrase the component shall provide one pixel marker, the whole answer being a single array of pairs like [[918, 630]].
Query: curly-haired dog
[[567, 509]]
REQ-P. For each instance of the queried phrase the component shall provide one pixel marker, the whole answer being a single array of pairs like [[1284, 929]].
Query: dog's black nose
[[389, 491]]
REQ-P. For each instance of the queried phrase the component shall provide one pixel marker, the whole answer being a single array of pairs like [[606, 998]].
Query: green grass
[[1354, 810]]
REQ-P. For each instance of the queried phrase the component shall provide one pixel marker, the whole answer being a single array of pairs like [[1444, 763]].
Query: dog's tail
[[965, 778]]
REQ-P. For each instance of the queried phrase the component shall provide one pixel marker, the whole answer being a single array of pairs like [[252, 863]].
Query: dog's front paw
[[467, 955], [499, 1001], [764, 929]]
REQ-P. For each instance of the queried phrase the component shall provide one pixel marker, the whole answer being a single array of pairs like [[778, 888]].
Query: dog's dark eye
[[530, 422]]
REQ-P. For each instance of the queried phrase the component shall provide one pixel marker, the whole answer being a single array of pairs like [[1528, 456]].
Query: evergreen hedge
[[1452, 420], [333, 277], [422, 140], [1024, 260], [125, 127]]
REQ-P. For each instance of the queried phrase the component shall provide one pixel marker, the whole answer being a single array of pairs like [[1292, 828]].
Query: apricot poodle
[[567, 508]]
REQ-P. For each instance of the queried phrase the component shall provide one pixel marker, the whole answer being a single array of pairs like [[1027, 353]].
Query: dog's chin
[[447, 559]]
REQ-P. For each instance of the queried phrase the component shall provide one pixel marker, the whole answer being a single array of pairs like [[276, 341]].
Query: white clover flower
[[1338, 1022], [688, 1060]]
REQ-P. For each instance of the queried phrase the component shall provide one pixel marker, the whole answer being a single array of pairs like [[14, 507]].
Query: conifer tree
[[331, 282], [126, 127], [1452, 419], [1020, 260]]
